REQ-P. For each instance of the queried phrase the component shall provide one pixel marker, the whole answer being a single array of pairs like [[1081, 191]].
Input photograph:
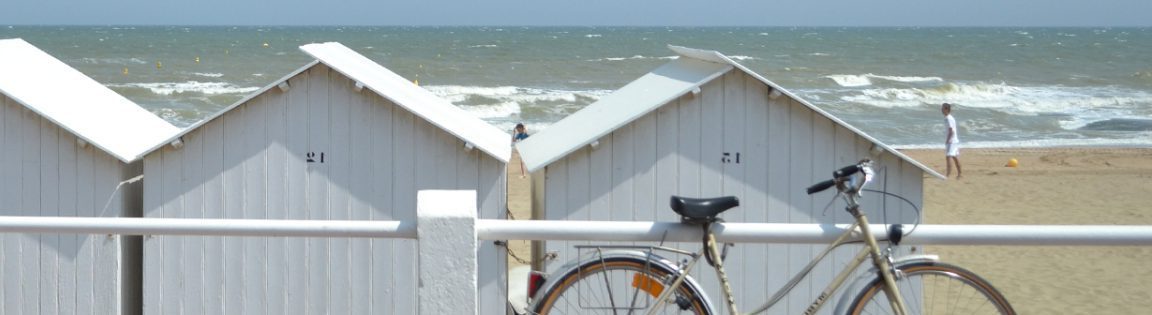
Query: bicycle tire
[[930, 287], [610, 286]]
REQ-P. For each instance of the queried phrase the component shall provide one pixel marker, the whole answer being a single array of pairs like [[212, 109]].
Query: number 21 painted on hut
[[727, 158], [312, 157]]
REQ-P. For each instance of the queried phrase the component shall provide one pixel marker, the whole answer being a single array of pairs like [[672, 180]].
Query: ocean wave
[[209, 75], [854, 80], [635, 57], [493, 103], [502, 110], [1043, 99], [170, 88], [483, 46], [112, 61]]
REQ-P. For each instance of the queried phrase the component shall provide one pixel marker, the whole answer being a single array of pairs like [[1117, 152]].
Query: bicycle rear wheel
[[934, 288], [618, 285]]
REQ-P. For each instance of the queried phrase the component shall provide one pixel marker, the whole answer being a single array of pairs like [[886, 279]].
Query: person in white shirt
[[951, 141]]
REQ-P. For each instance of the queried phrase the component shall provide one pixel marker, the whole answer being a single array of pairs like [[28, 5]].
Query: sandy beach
[[1050, 186]]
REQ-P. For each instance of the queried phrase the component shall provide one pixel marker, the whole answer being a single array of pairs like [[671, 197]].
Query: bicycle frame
[[872, 249]]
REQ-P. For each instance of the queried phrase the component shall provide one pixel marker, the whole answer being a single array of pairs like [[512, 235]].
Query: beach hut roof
[[693, 68], [417, 100], [399, 90], [77, 103]]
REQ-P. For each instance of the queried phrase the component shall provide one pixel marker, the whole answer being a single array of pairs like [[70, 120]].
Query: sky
[[581, 12]]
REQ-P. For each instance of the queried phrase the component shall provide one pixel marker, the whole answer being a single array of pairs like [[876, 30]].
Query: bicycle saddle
[[702, 210]]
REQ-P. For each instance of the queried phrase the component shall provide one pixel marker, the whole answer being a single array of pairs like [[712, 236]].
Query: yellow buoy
[[197, 59], [417, 81], [125, 72], [265, 44], [159, 65], [1012, 163]]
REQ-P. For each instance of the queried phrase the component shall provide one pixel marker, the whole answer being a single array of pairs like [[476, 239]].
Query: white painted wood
[[233, 250], [381, 197], [213, 136], [337, 159], [153, 247], [319, 127], [30, 244], [754, 204], [87, 203], [171, 274], [10, 201], [414, 99], [783, 146], [403, 185], [616, 110], [107, 267], [254, 183], [296, 298], [369, 157], [69, 244], [779, 186], [823, 161], [118, 126], [360, 190], [192, 262], [276, 188], [49, 195]]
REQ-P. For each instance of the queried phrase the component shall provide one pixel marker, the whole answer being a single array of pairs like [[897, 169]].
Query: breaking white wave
[[170, 88], [636, 57], [853, 80], [210, 75], [1011, 99], [505, 109]]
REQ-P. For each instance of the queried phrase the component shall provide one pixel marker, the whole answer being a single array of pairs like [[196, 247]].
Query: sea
[[1012, 87]]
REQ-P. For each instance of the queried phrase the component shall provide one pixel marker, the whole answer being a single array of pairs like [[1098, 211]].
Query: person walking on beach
[[951, 141]]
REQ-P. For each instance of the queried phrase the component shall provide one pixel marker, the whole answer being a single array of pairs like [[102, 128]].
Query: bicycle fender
[[869, 275], [655, 259]]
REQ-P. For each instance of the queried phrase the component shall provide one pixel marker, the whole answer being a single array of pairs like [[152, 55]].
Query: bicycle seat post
[[718, 264]]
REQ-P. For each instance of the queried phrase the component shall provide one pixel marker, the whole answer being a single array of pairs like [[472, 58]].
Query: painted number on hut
[[730, 158], [313, 157]]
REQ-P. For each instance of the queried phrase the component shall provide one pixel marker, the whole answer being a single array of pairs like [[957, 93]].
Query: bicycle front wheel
[[619, 285], [934, 288]]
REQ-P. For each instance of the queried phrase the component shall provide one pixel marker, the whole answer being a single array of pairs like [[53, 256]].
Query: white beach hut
[[342, 138], [704, 125], [71, 149]]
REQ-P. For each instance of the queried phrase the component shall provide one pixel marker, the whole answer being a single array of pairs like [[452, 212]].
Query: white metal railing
[[208, 227], [1024, 235]]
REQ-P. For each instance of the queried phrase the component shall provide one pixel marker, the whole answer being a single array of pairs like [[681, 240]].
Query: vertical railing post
[[446, 234]]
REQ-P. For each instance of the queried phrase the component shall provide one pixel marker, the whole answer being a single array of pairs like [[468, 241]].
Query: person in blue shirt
[[518, 134]]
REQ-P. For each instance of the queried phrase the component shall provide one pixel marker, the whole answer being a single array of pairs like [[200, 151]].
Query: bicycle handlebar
[[839, 176], [821, 186], [847, 170]]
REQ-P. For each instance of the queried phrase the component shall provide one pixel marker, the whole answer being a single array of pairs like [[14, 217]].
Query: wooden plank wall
[[320, 151], [731, 139], [47, 173]]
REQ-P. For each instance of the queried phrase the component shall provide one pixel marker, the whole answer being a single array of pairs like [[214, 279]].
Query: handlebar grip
[[846, 171], [821, 186]]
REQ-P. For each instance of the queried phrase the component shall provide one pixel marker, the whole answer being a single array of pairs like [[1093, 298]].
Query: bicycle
[[635, 279]]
